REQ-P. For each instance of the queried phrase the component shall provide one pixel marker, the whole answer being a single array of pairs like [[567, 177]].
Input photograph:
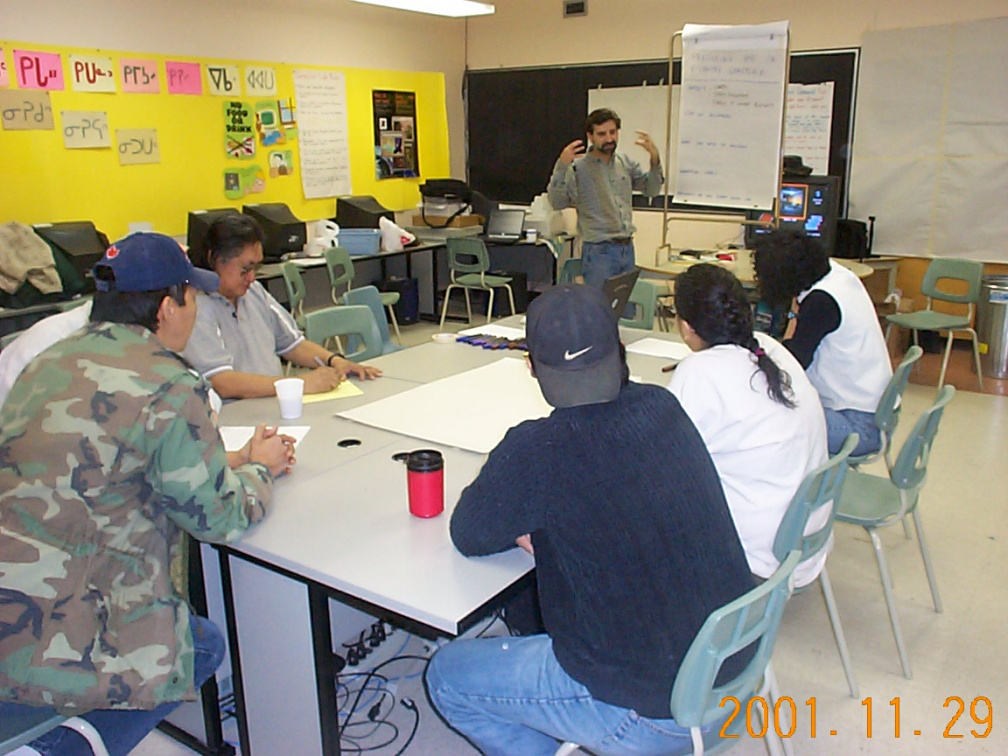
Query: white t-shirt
[[762, 449]]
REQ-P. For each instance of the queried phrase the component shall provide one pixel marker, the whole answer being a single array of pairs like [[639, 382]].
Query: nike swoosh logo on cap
[[568, 356]]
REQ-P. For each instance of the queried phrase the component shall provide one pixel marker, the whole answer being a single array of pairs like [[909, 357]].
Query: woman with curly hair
[[756, 410], [833, 332]]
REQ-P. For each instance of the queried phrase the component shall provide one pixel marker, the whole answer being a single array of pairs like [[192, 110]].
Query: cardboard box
[[434, 221]]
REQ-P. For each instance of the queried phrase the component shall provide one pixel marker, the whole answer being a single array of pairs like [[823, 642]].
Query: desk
[[742, 267], [341, 531]]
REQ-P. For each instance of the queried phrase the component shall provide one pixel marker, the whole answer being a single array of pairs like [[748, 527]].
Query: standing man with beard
[[599, 184]]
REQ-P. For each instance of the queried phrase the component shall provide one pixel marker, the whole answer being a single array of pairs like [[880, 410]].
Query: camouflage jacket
[[107, 453]]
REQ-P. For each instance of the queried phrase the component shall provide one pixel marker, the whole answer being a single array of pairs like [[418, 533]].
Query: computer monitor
[[283, 233], [80, 241], [809, 205], [360, 212], [198, 225]]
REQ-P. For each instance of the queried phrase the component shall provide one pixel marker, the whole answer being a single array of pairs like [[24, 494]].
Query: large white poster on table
[[323, 134], [472, 410], [731, 114]]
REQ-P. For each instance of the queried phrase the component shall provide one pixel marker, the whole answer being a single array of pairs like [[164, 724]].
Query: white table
[[339, 529]]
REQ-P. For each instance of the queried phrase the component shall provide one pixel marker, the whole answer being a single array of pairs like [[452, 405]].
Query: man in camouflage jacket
[[108, 452]]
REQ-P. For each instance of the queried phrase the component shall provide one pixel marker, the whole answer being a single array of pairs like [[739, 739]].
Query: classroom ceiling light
[[451, 8]]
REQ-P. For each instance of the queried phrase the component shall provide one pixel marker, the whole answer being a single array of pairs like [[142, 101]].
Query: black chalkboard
[[520, 119]]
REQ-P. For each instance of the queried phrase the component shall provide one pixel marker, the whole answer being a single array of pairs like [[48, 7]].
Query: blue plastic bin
[[359, 241]]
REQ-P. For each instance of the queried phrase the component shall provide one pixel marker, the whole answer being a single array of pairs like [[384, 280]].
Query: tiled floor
[[961, 652]]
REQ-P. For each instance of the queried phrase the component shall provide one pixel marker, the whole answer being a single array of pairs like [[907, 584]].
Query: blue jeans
[[839, 423], [510, 696], [603, 260], [123, 729]]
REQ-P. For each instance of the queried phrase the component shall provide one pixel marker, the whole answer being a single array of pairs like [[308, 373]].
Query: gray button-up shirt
[[601, 192], [248, 338]]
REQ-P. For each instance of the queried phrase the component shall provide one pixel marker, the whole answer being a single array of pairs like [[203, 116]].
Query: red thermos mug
[[425, 480]]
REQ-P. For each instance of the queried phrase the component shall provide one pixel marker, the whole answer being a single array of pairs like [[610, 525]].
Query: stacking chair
[[571, 269], [296, 290], [21, 725], [468, 263], [952, 269], [340, 268], [643, 299], [750, 620], [352, 320], [820, 488], [875, 502], [369, 296]]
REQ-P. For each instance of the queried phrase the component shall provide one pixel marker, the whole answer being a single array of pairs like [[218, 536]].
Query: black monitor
[[283, 233], [80, 241], [360, 212], [199, 224], [809, 205]]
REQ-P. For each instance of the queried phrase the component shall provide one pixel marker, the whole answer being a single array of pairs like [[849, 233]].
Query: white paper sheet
[[236, 436], [671, 350], [323, 134], [492, 329], [471, 410]]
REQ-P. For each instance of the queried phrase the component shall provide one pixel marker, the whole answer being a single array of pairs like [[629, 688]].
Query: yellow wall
[[42, 181]]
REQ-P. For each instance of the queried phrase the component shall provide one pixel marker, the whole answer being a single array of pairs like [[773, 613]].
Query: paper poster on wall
[[38, 70], [281, 163], [25, 110], [139, 76], [267, 123], [4, 73], [224, 81], [84, 129], [809, 121], [323, 133], [239, 130], [91, 73], [183, 78], [260, 81], [137, 146], [239, 182], [396, 154]]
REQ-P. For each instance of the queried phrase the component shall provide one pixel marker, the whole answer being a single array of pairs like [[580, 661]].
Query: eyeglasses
[[250, 268]]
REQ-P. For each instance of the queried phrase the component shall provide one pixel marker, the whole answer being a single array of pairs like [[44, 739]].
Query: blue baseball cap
[[147, 261], [573, 341]]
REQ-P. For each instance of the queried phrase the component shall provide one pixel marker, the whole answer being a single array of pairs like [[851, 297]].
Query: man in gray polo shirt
[[599, 184], [242, 331]]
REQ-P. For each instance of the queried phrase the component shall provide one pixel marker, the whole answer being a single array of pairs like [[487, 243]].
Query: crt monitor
[[810, 205], [80, 241], [197, 227], [360, 212], [283, 233]]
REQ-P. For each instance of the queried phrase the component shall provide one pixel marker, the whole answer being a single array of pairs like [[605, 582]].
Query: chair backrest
[[820, 488], [750, 620], [910, 469], [571, 269], [957, 269], [295, 289], [467, 255], [340, 268], [887, 412], [643, 298], [352, 320], [370, 297]]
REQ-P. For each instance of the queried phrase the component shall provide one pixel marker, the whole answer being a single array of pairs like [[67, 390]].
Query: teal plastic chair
[[370, 297], [296, 291], [820, 488], [643, 300], [571, 270], [946, 269], [876, 502], [352, 321], [468, 263], [750, 620], [20, 725], [340, 268]]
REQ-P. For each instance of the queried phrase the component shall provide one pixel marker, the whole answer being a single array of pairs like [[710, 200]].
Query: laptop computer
[[505, 226], [617, 290]]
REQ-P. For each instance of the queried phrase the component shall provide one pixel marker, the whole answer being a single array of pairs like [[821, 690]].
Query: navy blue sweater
[[634, 543]]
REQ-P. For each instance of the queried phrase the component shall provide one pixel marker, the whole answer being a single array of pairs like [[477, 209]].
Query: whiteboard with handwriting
[[730, 114]]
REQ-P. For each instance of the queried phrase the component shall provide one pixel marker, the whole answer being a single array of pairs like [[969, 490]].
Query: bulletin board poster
[[395, 130]]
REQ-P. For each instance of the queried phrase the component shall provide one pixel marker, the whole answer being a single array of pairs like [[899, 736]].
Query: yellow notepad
[[345, 390]]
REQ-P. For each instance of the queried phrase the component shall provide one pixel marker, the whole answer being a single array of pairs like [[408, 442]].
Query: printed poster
[[239, 130], [139, 76], [38, 70], [240, 181], [395, 125], [84, 129], [4, 73], [184, 78], [91, 73], [137, 146], [25, 110], [322, 132]]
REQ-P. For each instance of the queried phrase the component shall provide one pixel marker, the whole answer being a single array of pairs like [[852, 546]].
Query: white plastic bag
[[393, 237]]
